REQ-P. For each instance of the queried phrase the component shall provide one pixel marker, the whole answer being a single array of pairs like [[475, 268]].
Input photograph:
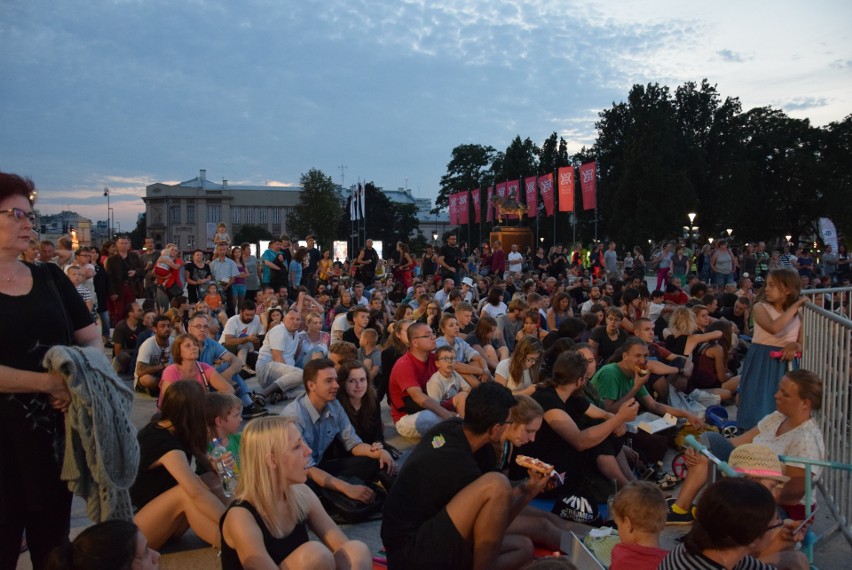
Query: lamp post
[[109, 223], [787, 239], [434, 237], [691, 217]]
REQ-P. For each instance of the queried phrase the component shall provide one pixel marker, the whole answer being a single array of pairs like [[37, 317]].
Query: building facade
[[187, 213]]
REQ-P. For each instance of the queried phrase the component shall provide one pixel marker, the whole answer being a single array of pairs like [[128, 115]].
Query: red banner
[[454, 213], [477, 211], [566, 189], [589, 184], [489, 207], [532, 196], [463, 207], [545, 186]]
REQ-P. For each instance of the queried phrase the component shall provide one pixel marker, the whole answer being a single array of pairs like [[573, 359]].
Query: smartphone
[[810, 519]]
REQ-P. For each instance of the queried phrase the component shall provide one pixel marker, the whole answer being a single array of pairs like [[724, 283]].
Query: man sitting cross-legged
[[443, 512]]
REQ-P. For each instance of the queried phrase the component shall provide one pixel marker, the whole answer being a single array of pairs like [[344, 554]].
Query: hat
[[753, 460], [467, 281]]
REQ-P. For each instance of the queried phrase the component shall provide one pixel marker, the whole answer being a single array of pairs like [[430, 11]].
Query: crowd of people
[[480, 356]]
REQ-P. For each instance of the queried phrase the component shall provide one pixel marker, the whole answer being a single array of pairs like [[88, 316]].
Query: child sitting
[[221, 235], [369, 354], [446, 385], [214, 302], [639, 510], [223, 413]]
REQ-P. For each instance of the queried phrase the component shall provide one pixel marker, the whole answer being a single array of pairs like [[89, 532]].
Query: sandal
[[258, 399], [667, 481], [275, 397]]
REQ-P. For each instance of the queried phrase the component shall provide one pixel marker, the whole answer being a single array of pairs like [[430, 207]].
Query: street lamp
[[730, 231], [787, 237], [435, 236], [710, 240], [109, 224], [691, 217]]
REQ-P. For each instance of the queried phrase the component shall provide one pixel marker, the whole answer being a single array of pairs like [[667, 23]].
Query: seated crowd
[[479, 364]]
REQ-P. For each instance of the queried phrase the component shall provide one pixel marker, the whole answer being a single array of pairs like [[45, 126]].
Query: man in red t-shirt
[[414, 412]]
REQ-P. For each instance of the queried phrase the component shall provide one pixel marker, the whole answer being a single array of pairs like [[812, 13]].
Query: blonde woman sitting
[[267, 524]]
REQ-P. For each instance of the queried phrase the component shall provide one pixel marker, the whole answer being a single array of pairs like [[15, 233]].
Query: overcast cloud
[[126, 93]]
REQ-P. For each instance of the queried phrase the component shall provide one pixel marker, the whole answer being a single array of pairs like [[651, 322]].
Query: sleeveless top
[[277, 548], [724, 262], [788, 334]]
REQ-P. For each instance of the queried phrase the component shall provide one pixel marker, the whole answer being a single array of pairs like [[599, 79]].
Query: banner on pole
[[489, 207], [566, 189], [531, 196], [589, 184], [545, 186], [454, 216], [462, 207], [477, 211]]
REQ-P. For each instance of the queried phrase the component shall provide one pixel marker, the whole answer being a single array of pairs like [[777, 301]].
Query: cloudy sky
[[130, 92]]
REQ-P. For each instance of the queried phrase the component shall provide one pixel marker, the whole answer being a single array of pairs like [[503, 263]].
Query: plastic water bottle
[[229, 480]]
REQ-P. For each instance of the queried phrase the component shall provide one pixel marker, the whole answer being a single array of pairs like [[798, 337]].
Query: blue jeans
[[722, 279]]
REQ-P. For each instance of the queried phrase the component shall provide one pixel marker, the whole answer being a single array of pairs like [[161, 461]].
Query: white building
[[187, 213]]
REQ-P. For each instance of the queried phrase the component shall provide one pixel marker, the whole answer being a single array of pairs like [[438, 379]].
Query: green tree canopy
[[318, 211], [469, 168], [250, 233]]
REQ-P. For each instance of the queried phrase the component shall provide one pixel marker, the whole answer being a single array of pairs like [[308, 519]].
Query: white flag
[[362, 193]]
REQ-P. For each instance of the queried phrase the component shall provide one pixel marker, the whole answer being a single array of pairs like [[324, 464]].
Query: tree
[[644, 189], [468, 169], [250, 233], [387, 220], [137, 236], [519, 160], [319, 209]]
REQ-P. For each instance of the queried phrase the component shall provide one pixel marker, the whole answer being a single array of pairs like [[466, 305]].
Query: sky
[[125, 93]]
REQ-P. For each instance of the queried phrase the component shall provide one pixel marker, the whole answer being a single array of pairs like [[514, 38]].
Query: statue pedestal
[[508, 236]]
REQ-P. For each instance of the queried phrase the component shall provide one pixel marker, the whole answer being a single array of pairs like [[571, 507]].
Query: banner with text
[[489, 207], [477, 211], [566, 189], [589, 184], [454, 215], [545, 186], [463, 207]]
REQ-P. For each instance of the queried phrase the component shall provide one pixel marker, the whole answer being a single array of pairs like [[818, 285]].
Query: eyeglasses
[[446, 359], [20, 215], [430, 335], [774, 526]]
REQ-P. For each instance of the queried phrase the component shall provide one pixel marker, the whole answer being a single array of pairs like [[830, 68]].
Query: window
[[214, 213], [276, 215], [249, 215], [235, 215], [190, 213], [174, 214], [263, 216]]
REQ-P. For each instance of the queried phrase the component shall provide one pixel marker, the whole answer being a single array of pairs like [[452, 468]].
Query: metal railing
[[827, 351]]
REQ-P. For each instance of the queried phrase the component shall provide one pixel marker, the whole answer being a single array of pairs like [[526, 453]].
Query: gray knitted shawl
[[101, 451]]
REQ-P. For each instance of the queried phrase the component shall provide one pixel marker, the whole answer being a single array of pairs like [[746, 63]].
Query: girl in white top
[[520, 371], [777, 328]]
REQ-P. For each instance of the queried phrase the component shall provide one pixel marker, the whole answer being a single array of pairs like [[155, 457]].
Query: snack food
[[641, 371], [535, 464]]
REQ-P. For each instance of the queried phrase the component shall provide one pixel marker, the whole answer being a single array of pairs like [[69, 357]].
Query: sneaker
[[248, 371], [254, 411], [677, 518]]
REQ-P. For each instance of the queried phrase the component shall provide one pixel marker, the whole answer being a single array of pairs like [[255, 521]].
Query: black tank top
[[278, 548]]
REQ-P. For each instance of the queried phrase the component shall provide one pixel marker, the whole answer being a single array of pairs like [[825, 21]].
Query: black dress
[[33, 432], [277, 548]]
